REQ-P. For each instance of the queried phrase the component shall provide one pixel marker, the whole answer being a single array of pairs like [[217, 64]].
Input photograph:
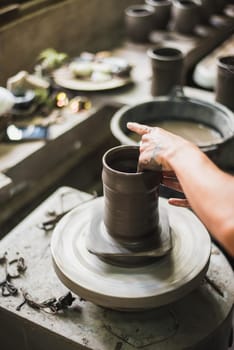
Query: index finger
[[140, 129]]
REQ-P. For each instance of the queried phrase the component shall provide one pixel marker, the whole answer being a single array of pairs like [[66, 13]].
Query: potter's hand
[[157, 146], [170, 180], [205, 185]]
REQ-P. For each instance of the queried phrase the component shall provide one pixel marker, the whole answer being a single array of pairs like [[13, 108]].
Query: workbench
[[27, 171], [87, 326]]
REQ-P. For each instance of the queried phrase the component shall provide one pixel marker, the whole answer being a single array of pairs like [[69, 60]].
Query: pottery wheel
[[100, 243], [131, 288]]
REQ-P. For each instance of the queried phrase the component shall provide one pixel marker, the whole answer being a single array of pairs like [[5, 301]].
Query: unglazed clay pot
[[130, 198], [162, 12], [167, 69], [6, 104], [225, 81], [208, 7], [185, 16], [178, 107], [139, 22]]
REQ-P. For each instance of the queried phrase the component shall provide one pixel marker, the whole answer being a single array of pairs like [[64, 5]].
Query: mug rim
[[186, 4], [223, 62], [146, 10], [157, 3], [114, 150], [155, 53]]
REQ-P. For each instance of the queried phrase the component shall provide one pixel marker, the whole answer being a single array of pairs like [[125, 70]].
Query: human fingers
[[140, 129], [148, 158], [143, 144], [169, 174], [172, 183], [178, 202]]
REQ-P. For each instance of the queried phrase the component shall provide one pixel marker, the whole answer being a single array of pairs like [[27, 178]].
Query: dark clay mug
[[139, 22], [207, 9], [225, 81], [185, 16], [220, 5], [162, 12], [167, 69], [130, 197]]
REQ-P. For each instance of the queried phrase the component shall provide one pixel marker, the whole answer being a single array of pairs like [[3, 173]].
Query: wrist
[[183, 153]]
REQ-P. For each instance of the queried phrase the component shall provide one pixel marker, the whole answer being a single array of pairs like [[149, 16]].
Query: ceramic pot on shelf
[[219, 5], [139, 22], [225, 81], [185, 16], [167, 69], [208, 8], [162, 12]]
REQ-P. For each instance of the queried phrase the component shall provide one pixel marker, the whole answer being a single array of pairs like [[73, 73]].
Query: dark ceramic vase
[[185, 16], [139, 22], [219, 5], [167, 69], [225, 81], [229, 11], [130, 198], [162, 12], [208, 7]]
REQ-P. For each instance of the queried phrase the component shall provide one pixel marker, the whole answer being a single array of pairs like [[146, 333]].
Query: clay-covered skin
[[209, 190], [197, 133]]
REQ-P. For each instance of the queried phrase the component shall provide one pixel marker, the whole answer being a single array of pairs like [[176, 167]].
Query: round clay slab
[[131, 288]]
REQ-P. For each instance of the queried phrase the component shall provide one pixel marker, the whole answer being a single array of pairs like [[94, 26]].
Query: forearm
[[209, 191]]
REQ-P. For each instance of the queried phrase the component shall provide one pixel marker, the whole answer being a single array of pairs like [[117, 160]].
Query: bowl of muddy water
[[208, 125]]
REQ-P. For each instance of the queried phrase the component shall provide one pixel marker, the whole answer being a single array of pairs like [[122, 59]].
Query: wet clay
[[130, 198], [197, 133], [134, 232]]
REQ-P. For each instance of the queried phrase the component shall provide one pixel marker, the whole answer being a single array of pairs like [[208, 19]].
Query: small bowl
[[23, 100]]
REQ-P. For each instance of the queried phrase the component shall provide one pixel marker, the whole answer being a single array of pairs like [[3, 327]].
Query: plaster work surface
[[87, 326]]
